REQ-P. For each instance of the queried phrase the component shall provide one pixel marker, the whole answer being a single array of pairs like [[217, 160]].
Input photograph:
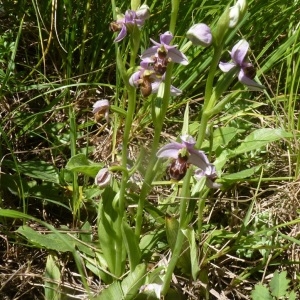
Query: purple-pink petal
[[177, 56], [239, 52], [166, 38], [133, 80], [175, 91], [188, 140], [148, 53], [198, 158], [100, 105], [121, 34], [170, 150], [251, 84], [226, 66]]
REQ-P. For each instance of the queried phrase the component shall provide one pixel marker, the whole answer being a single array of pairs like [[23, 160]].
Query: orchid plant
[[153, 77]]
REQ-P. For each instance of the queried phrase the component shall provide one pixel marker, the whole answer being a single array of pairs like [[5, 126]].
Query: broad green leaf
[[260, 138], [80, 163], [242, 174], [49, 241], [149, 241], [108, 231], [279, 284], [222, 136], [126, 289], [190, 235], [35, 169], [260, 292], [132, 246], [132, 283], [184, 260], [52, 278], [114, 291]]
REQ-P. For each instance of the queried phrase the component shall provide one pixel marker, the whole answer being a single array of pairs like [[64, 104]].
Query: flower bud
[[143, 12], [103, 178], [200, 35], [237, 12]]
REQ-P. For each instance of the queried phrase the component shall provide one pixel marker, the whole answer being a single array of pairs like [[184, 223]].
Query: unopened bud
[[143, 12], [200, 35], [237, 12], [103, 178]]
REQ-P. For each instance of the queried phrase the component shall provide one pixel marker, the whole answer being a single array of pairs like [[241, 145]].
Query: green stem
[[211, 75], [183, 223], [174, 13], [131, 92]]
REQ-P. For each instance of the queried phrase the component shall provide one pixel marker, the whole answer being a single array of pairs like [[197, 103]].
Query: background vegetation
[[57, 59]]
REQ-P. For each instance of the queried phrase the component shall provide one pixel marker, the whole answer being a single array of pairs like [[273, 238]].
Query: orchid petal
[[177, 56], [198, 158], [188, 141], [226, 66], [170, 150], [239, 52], [148, 53], [155, 86], [121, 34], [175, 91], [100, 105], [251, 84], [103, 178], [133, 80], [166, 38]]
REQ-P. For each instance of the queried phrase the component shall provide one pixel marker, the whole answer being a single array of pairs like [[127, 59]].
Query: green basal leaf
[[222, 136], [35, 169], [80, 163], [126, 289], [184, 260], [132, 283], [131, 245], [50, 241], [190, 235], [52, 278]]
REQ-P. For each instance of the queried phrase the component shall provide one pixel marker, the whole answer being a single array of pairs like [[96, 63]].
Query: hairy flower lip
[[239, 61]]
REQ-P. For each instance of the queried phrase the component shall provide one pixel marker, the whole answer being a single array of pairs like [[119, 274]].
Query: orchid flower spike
[[240, 61], [101, 107]]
